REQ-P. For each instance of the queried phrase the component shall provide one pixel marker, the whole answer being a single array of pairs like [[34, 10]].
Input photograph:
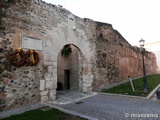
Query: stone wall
[[105, 56], [56, 27], [20, 84], [116, 59]]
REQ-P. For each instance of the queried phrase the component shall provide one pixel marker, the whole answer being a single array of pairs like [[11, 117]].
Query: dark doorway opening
[[67, 78]]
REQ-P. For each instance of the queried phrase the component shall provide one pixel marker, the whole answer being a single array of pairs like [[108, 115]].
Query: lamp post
[[145, 89]]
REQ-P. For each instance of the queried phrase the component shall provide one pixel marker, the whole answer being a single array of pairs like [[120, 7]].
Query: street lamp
[[145, 89]]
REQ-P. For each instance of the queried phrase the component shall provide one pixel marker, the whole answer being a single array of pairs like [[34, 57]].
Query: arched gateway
[[104, 56], [69, 68], [52, 48]]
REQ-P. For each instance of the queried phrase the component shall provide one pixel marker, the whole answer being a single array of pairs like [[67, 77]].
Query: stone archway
[[51, 51]]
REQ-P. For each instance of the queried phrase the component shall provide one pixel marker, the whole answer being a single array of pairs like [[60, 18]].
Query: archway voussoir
[[70, 41], [81, 44], [49, 43], [58, 39], [85, 47], [54, 64], [75, 42], [78, 43], [49, 51]]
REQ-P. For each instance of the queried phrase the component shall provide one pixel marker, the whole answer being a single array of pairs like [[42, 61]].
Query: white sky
[[134, 19]]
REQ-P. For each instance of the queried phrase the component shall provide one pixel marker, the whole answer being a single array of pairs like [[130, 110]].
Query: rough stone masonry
[[105, 57]]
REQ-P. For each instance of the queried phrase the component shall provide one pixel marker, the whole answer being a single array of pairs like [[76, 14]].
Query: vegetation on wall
[[66, 50]]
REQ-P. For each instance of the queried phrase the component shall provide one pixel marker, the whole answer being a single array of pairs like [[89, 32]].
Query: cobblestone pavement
[[112, 107], [100, 106]]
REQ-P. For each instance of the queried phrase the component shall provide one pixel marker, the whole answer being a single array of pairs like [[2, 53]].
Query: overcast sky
[[134, 19]]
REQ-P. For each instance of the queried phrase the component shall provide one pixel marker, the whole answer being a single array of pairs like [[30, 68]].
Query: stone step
[[71, 96]]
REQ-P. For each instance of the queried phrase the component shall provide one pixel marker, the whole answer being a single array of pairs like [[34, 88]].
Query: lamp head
[[141, 42]]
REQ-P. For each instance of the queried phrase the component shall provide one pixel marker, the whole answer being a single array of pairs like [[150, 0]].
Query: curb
[[153, 91], [130, 96], [71, 112], [74, 100]]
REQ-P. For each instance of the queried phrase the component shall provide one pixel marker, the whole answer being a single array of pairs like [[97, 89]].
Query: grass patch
[[152, 82], [38, 114]]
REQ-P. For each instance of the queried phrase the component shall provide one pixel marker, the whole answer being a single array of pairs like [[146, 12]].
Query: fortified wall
[[104, 56], [116, 59]]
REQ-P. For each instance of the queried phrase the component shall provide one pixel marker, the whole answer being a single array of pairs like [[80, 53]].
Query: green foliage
[[152, 82], [52, 114], [66, 51]]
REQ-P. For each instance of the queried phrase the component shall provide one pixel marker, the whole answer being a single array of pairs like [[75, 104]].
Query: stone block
[[9, 95], [48, 79], [49, 51], [54, 85], [54, 65], [54, 71], [48, 63], [49, 84], [52, 57], [43, 93], [47, 75], [91, 76], [49, 44], [76, 42], [42, 84], [2, 95], [84, 90], [52, 45], [52, 94], [50, 69], [89, 89], [46, 57], [54, 78], [44, 98]]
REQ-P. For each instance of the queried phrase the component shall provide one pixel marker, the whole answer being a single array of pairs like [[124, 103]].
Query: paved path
[[100, 107], [112, 107]]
